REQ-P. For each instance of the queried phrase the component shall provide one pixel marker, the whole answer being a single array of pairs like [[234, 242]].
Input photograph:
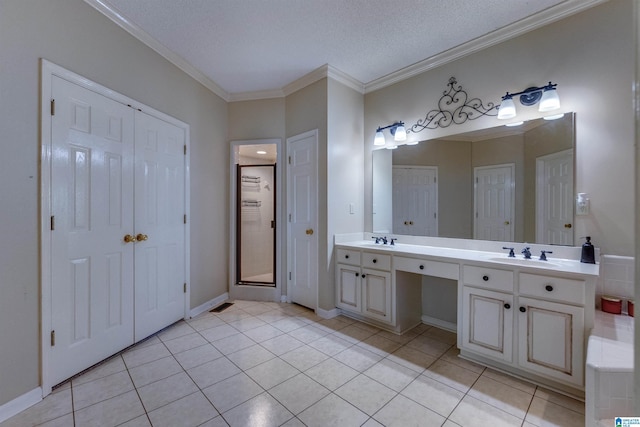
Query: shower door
[[256, 213]]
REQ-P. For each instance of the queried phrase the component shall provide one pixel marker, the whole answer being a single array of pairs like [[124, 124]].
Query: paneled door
[[114, 233], [554, 198], [494, 202], [302, 202], [415, 200], [92, 206], [159, 224]]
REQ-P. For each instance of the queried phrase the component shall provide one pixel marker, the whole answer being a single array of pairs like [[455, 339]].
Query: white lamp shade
[[549, 101], [401, 133], [379, 138], [507, 109]]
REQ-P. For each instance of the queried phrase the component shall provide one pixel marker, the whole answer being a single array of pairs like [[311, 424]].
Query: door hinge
[[53, 338], [289, 275], [53, 107], [184, 288], [185, 149], [435, 215], [289, 159], [435, 180], [53, 222], [185, 218]]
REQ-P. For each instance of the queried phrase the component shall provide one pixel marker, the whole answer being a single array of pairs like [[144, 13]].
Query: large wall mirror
[[508, 183]]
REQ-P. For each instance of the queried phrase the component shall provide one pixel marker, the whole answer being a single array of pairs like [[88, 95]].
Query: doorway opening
[[255, 200], [256, 224]]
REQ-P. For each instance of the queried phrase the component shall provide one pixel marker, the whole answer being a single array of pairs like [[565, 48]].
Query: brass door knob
[[309, 231], [128, 238], [567, 226], [141, 237]]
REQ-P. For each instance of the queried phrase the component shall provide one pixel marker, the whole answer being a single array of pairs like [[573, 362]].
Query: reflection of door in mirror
[[415, 200], [554, 193], [494, 202]]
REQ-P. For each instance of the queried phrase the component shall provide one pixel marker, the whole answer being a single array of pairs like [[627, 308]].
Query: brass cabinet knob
[[128, 238], [567, 226], [309, 231], [141, 237], [507, 223]]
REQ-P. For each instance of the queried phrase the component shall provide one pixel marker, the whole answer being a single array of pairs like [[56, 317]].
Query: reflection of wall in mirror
[[456, 159]]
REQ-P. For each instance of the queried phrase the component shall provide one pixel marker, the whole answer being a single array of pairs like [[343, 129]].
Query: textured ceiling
[[260, 45]]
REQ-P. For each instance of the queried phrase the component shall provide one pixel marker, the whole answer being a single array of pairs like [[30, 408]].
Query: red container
[[611, 305], [630, 307]]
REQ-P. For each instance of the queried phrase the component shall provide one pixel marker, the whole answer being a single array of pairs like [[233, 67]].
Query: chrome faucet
[[543, 255], [526, 252], [511, 254]]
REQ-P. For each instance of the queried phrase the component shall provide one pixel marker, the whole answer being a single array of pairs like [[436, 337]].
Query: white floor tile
[[272, 373], [190, 411], [366, 394], [166, 391], [433, 395], [298, 393], [402, 412], [263, 410], [111, 412], [331, 373], [332, 411], [232, 392]]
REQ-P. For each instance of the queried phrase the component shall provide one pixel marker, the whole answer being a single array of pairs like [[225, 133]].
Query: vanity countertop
[[498, 259]]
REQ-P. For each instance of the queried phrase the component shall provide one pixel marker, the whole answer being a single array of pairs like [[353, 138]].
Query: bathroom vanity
[[527, 317]]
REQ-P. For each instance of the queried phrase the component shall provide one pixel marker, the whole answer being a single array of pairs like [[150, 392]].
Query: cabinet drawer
[[552, 288], [429, 268], [377, 261], [348, 256], [490, 278]]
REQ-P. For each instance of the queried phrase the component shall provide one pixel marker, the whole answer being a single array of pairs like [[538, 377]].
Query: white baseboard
[[20, 403], [443, 324], [283, 298], [328, 314], [209, 305]]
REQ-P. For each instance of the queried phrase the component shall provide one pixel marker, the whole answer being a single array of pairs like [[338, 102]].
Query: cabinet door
[[551, 339], [348, 287], [487, 323], [376, 295]]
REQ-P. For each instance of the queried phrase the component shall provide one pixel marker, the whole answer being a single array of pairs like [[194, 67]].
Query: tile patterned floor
[[270, 364]]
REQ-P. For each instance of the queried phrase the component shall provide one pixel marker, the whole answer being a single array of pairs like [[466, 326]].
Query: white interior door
[[92, 210], [494, 202], [415, 200], [554, 198], [302, 191], [159, 224]]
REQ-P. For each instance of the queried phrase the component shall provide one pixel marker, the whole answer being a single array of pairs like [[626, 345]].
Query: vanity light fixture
[[554, 117], [546, 96], [397, 130]]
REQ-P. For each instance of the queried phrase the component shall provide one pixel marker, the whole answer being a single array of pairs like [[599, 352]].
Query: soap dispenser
[[588, 253]]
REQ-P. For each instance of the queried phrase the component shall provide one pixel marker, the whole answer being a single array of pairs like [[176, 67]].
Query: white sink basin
[[524, 262]]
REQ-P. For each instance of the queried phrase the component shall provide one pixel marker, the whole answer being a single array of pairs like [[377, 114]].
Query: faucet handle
[[511, 253], [526, 252], [543, 255], [384, 240], [393, 239], [377, 239]]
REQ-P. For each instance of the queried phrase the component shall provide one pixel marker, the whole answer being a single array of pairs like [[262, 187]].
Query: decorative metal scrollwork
[[454, 107]]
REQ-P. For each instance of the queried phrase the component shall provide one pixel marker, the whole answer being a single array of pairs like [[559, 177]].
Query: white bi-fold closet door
[[116, 248]]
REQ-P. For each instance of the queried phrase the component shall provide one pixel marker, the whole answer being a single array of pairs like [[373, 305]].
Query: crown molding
[[533, 22], [114, 15], [255, 95]]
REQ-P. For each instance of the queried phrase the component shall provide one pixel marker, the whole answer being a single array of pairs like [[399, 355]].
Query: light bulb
[[507, 109], [379, 139], [549, 101], [401, 133]]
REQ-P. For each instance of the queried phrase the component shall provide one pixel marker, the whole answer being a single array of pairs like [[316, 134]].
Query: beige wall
[[589, 56], [73, 35], [345, 183]]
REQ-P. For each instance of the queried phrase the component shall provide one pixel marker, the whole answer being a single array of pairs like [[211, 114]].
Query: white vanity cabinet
[[551, 330], [364, 284], [531, 322], [487, 312]]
